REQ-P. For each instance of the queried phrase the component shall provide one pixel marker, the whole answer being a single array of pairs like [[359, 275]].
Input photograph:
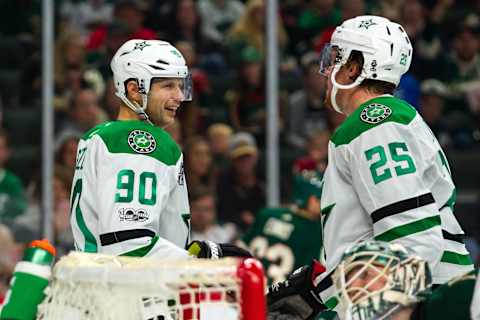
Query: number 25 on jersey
[[396, 152]]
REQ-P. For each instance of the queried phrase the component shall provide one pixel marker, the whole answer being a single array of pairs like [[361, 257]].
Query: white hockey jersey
[[388, 178], [129, 194]]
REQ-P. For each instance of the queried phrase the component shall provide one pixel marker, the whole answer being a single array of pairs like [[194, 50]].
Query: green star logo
[[366, 24], [141, 45], [375, 113], [141, 141]]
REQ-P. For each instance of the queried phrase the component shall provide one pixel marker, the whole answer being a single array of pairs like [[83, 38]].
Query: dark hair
[[200, 191], [375, 86]]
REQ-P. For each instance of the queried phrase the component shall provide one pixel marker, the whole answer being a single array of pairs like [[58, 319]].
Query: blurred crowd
[[222, 131]]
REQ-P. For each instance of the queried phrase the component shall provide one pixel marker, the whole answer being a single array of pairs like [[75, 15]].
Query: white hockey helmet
[[385, 46], [143, 61]]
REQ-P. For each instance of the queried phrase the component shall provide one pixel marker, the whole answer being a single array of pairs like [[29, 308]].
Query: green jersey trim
[[326, 212], [410, 228], [451, 201], [124, 136], [142, 251], [353, 126], [456, 258], [90, 241]]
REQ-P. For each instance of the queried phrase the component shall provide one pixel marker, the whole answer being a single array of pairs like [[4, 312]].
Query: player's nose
[[178, 95]]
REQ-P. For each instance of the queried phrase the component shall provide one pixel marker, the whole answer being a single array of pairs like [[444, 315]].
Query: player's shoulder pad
[[375, 112], [137, 137]]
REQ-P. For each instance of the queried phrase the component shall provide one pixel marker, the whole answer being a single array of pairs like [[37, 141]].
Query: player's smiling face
[[164, 98]]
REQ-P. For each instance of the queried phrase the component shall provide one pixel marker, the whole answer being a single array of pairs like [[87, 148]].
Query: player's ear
[[133, 92], [354, 70]]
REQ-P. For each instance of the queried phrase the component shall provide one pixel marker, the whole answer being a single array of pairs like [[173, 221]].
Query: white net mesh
[[91, 286]]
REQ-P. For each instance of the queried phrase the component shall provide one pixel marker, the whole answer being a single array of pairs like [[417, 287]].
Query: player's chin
[[167, 121]]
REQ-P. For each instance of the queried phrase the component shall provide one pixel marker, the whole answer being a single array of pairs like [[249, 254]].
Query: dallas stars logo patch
[[141, 141], [375, 113], [366, 24]]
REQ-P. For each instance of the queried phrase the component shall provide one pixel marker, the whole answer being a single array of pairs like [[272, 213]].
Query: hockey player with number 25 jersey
[[387, 176]]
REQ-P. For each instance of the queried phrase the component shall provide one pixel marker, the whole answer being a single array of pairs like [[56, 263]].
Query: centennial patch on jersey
[[141, 141], [375, 113]]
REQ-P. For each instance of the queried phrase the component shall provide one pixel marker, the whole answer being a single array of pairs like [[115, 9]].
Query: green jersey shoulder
[[283, 240], [451, 300], [373, 113], [137, 137]]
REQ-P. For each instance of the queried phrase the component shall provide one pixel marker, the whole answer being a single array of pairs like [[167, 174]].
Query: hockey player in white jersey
[[129, 194], [387, 176]]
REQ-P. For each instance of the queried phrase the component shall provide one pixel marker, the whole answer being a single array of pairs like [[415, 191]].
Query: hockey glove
[[212, 250], [297, 296]]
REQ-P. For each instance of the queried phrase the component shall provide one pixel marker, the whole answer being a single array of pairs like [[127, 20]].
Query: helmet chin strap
[[336, 86], [140, 110]]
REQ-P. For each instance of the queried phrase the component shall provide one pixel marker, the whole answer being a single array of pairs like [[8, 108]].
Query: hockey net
[[93, 286]]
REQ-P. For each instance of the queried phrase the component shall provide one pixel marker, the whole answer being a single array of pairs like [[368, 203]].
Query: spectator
[[201, 84], [348, 9], [110, 102], [247, 102], [218, 16], [117, 33], [219, 135], [66, 154], [85, 16], [186, 25], [27, 227], [240, 193], [317, 154], [9, 256], [12, 197], [130, 12], [389, 9], [306, 110], [175, 131], [198, 163], [352, 8], [193, 115], [85, 113], [423, 31], [319, 16], [71, 72], [203, 218], [249, 31], [461, 74], [432, 103]]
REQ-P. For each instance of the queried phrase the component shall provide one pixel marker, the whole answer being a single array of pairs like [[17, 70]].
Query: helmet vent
[[391, 49], [155, 67], [406, 38], [388, 31], [401, 29], [162, 61]]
